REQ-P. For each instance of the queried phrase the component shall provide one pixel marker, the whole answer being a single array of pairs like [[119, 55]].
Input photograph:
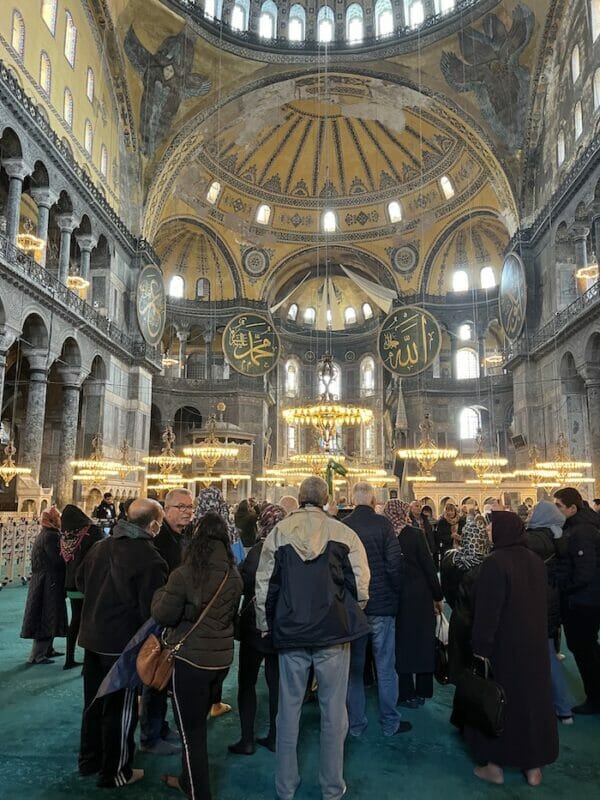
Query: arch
[[240, 13], [88, 137], [460, 281], [17, 40], [570, 379], [367, 376], [49, 9], [354, 23], [186, 419], [103, 161], [467, 364], [10, 144], [416, 13], [350, 316], [70, 48], [39, 177], [560, 148], [98, 370], [70, 353], [394, 210], [592, 349], [325, 25], [90, 84], [469, 422], [367, 310], [176, 287], [465, 332], [203, 289], [329, 221], [214, 190], [292, 312], [487, 278], [35, 332], [45, 73], [267, 21], [578, 120], [292, 377], [263, 214], [297, 23], [384, 18], [575, 63]]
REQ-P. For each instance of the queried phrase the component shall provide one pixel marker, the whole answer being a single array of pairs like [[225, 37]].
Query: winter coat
[[460, 652], [170, 545], [118, 578], [578, 564], [376, 533], [451, 575], [245, 521], [46, 611], [93, 535], [415, 623], [312, 582], [443, 534], [105, 510], [249, 632], [541, 542], [178, 605]]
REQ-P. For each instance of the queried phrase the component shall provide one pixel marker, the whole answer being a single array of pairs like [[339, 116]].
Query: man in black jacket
[[170, 543], [579, 576], [118, 579], [384, 556]]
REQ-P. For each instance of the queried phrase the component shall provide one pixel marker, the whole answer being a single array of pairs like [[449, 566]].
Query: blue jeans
[[331, 666], [560, 694], [384, 654], [153, 712]]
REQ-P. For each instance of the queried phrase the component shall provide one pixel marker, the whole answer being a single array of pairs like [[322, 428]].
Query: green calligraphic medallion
[[251, 344], [409, 340], [512, 298], [151, 304]]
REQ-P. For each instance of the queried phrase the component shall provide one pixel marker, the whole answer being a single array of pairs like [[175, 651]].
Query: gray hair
[[313, 490], [172, 494], [363, 494]]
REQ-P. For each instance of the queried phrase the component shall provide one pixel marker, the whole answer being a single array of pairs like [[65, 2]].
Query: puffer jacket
[[578, 566], [376, 533], [541, 542], [178, 605], [312, 582]]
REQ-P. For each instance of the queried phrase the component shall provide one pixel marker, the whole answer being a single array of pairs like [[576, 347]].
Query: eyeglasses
[[182, 507]]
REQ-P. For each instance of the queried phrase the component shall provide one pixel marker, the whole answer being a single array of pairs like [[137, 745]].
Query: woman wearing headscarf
[[254, 648], [543, 532], [246, 516], [78, 534], [420, 599], [510, 632], [449, 529], [45, 612]]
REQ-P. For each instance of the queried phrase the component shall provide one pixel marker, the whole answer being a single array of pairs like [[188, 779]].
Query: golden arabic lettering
[[513, 296], [409, 341], [251, 345]]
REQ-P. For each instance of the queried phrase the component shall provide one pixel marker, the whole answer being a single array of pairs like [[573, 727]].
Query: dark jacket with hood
[[578, 566], [245, 521], [541, 542], [78, 535], [170, 545], [118, 579], [178, 605], [376, 533]]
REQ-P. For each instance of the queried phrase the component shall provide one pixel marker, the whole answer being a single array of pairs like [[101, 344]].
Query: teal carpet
[[40, 710]]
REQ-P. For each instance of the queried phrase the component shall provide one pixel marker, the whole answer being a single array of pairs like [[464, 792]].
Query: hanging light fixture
[[326, 414], [482, 464], [235, 478], [126, 467], [589, 272], [211, 449], [27, 242], [96, 468], [494, 359], [427, 453], [315, 461], [8, 468], [566, 468], [77, 283], [167, 461]]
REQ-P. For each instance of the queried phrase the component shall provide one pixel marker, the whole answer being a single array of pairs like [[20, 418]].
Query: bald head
[[288, 502], [146, 513]]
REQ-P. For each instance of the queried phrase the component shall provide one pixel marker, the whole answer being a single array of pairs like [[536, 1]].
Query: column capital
[[44, 196], [579, 232], [16, 168], [86, 242], [71, 377], [183, 333], [67, 222], [38, 361]]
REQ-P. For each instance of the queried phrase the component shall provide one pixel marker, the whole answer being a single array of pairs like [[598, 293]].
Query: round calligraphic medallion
[[251, 344], [512, 299], [151, 304], [409, 340]]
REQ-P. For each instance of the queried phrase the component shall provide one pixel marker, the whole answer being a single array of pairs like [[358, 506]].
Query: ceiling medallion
[[255, 261], [350, 355], [405, 258]]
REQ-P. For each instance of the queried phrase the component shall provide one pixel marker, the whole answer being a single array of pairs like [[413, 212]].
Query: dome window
[[575, 63], [446, 6], [416, 13], [267, 22], [68, 107], [297, 23], [176, 286], [310, 315], [49, 8], [578, 120], [70, 39], [263, 214], [367, 311], [239, 17], [325, 25], [384, 18], [17, 39], [90, 84], [470, 422], [595, 15], [597, 89], [292, 312], [465, 332], [350, 316], [354, 23], [329, 222], [560, 148], [88, 137], [213, 193], [45, 73], [460, 281], [395, 211], [447, 188], [487, 278], [467, 364]]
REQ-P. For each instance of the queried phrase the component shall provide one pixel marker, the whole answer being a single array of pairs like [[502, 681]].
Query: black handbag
[[479, 701], [441, 666]]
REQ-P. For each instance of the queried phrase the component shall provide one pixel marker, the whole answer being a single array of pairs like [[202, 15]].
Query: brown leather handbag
[[154, 663]]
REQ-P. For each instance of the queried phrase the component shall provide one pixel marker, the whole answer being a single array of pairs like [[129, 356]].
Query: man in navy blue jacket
[[384, 555]]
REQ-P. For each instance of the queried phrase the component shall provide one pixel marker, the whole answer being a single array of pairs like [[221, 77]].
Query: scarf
[[474, 545], [546, 515], [452, 517], [211, 499], [70, 542], [418, 522], [397, 513], [269, 517]]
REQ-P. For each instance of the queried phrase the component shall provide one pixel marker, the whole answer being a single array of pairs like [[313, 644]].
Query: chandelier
[[315, 461], [494, 359], [169, 361], [126, 466], [211, 449], [77, 283], [96, 468], [8, 468], [589, 272], [27, 241], [235, 477], [426, 454], [565, 468], [326, 414], [484, 466], [167, 461]]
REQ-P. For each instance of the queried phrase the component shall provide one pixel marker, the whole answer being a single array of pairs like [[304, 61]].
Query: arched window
[[297, 23], [595, 15], [335, 386], [70, 39], [90, 84], [395, 211], [367, 376], [291, 438], [465, 332], [329, 221], [328, 317], [88, 137], [310, 315], [469, 423], [203, 289], [213, 192], [460, 281], [18, 34], [293, 312], [176, 286], [325, 24], [350, 315], [560, 148], [467, 364], [487, 278], [575, 63], [597, 89], [578, 120], [267, 22], [447, 187], [103, 161], [416, 13], [447, 5], [213, 9], [263, 214], [68, 107], [239, 15], [367, 311], [384, 18], [354, 23], [45, 73], [291, 378], [49, 14]]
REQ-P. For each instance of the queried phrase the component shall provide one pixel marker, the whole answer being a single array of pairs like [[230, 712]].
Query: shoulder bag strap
[[203, 614]]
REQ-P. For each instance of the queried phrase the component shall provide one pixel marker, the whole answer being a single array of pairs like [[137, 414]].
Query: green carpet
[[40, 710]]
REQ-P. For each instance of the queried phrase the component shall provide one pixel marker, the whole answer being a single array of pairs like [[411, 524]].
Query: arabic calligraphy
[[251, 344], [150, 303], [513, 296], [409, 340]]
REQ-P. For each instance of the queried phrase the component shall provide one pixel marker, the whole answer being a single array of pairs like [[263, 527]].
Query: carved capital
[[37, 358], [44, 196], [66, 222], [579, 232], [86, 242], [16, 168]]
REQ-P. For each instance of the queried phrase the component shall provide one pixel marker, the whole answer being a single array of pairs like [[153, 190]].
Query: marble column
[[596, 230], [66, 224], [71, 379], [16, 169], [45, 199], [183, 334], [580, 234], [30, 454], [592, 390], [2, 376]]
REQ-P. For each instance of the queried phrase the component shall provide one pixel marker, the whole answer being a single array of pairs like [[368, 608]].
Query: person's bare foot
[[490, 773], [136, 775], [218, 709], [534, 776]]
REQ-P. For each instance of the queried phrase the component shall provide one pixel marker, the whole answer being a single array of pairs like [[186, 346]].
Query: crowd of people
[[329, 601]]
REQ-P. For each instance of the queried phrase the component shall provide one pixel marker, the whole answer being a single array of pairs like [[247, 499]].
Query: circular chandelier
[[77, 283], [315, 461], [484, 466], [8, 468], [125, 465], [427, 454], [326, 414], [211, 449], [167, 461], [96, 468], [27, 241], [564, 467]]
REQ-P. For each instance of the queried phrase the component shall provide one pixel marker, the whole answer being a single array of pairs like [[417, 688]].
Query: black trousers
[[153, 716], [420, 685], [581, 625], [107, 743], [73, 630], [248, 669], [194, 690]]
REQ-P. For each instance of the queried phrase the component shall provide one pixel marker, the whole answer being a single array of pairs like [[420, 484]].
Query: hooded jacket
[[578, 567], [118, 578], [312, 582]]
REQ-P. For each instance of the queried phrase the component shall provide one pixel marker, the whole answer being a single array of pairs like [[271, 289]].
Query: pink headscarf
[[397, 511], [50, 518]]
